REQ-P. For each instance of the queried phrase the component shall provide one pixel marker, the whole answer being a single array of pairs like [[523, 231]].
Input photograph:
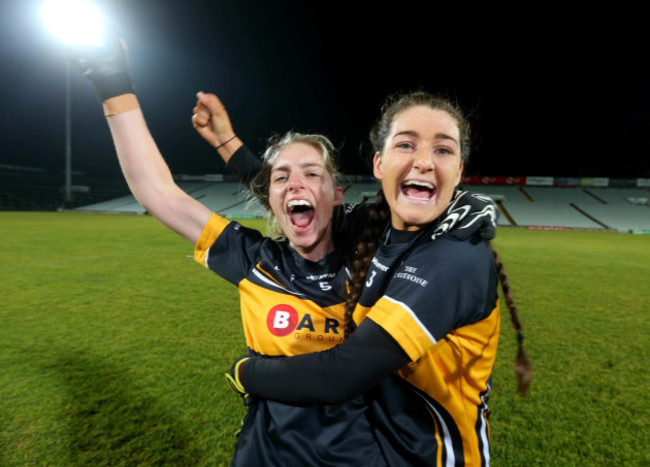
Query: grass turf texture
[[113, 345]]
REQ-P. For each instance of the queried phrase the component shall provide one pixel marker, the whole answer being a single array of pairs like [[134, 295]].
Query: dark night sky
[[553, 93]]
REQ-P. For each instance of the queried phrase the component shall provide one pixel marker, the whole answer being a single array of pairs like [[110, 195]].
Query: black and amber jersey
[[289, 306], [438, 301], [434, 293]]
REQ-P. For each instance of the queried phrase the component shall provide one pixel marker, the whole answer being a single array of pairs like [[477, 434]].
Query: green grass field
[[113, 345]]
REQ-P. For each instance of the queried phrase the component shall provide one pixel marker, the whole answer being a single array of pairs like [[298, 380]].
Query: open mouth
[[301, 213], [418, 190]]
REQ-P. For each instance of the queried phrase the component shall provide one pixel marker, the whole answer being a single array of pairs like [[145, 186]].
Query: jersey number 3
[[369, 281]]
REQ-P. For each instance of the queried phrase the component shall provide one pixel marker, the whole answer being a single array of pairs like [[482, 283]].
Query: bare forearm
[[141, 162], [150, 179]]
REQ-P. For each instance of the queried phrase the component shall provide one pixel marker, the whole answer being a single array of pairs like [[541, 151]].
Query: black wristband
[[112, 85]]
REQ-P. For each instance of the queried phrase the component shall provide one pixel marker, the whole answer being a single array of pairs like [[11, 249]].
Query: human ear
[[338, 196], [376, 166]]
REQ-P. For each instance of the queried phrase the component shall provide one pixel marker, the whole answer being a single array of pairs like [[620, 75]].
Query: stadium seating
[[620, 209], [226, 199], [552, 207], [354, 193]]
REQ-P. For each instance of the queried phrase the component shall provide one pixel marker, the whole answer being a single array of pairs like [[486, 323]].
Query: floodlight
[[76, 22]]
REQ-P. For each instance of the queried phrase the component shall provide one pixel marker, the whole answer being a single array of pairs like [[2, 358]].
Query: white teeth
[[298, 202], [418, 183]]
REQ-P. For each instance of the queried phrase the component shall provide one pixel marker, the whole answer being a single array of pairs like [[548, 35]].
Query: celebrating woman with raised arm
[[292, 286]]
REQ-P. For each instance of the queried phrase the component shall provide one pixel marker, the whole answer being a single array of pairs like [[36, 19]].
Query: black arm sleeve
[[245, 164], [329, 377]]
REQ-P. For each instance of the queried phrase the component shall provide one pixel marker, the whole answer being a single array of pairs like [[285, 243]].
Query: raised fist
[[211, 120]]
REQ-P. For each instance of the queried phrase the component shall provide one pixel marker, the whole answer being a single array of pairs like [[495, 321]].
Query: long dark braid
[[523, 367], [366, 247]]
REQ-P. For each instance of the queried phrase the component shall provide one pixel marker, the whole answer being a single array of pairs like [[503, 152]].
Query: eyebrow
[[303, 165], [415, 134]]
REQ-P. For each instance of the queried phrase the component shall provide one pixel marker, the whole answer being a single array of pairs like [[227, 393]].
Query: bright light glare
[[73, 21]]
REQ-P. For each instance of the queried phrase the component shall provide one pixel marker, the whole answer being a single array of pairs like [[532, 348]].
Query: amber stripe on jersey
[[211, 232]]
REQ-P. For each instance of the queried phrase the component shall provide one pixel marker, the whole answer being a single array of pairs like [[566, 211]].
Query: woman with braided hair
[[292, 289], [152, 183], [422, 316]]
